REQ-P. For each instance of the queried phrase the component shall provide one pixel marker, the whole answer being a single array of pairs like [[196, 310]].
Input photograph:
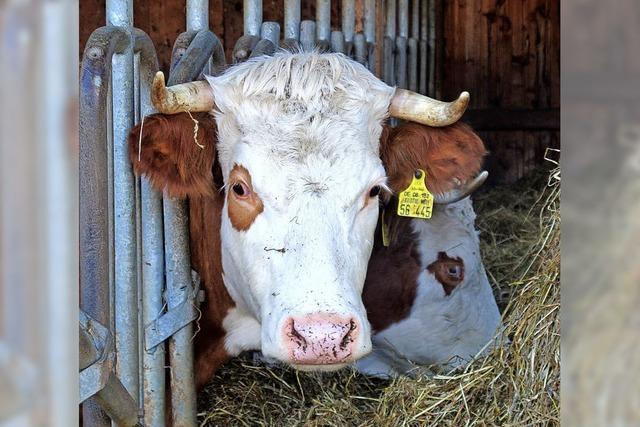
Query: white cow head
[[299, 153]]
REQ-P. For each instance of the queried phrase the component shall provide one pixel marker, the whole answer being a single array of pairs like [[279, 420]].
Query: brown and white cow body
[[284, 202], [427, 295]]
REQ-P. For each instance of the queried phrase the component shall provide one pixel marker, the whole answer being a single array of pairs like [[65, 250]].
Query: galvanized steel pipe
[[401, 62], [360, 48], [252, 10], [412, 64], [120, 13], [390, 27], [271, 32], [337, 41], [323, 20], [424, 63], [292, 19], [432, 48], [152, 252], [348, 20], [415, 19], [403, 18], [177, 260], [197, 15], [370, 33], [264, 47], [95, 298], [308, 35]]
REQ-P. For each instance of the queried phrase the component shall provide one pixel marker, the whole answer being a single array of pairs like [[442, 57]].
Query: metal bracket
[[175, 319], [98, 341]]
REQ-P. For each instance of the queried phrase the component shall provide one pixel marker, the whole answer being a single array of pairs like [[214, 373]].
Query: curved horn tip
[[482, 177]]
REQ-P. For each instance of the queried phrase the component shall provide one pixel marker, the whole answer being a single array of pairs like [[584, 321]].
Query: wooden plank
[[501, 119]]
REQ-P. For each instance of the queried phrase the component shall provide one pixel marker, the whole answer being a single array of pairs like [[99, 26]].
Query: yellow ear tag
[[416, 201], [385, 231]]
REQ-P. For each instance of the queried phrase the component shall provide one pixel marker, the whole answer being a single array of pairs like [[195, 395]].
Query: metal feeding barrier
[[138, 298]]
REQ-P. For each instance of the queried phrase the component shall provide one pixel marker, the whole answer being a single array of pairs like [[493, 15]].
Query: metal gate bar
[[120, 13], [151, 257], [388, 74]]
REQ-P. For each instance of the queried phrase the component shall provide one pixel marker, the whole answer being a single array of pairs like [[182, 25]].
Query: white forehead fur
[[292, 104]]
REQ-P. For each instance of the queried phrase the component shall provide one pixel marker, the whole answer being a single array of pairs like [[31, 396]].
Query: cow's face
[[301, 160], [302, 175]]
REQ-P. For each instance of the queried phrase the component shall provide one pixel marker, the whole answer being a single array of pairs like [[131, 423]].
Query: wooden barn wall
[[504, 52]]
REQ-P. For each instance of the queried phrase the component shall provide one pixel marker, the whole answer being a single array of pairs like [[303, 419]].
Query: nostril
[[348, 337], [296, 336]]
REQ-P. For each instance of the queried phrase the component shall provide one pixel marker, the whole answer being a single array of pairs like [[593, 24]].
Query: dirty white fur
[[441, 330], [306, 126], [242, 332]]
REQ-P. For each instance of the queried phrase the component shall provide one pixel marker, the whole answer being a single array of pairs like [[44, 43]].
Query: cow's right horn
[[193, 96], [418, 108], [460, 193]]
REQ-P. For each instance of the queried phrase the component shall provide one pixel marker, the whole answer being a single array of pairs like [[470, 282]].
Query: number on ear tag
[[416, 201]]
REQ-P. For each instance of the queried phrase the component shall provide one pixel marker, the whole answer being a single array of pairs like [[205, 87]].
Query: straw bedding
[[517, 384]]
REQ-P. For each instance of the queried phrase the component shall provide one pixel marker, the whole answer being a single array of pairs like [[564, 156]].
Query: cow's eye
[[240, 189], [375, 190]]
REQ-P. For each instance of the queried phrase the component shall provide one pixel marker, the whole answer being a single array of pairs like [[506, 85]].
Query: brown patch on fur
[[448, 271], [391, 282], [204, 230], [169, 155], [242, 211], [447, 154]]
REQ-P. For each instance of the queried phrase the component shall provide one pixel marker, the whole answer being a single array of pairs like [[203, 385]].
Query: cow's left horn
[[193, 96], [418, 108], [460, 193]]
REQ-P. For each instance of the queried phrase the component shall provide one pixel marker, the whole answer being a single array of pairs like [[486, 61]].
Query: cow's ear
[[450, 155], [165, 149]]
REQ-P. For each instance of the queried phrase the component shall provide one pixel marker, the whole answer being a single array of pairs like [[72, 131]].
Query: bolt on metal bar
[[292, 19], [271, 31], [120, 13], [337, 41], [308, 35], [424, 63], [323, 20], [95, 295], [252, 10], [152, 252]]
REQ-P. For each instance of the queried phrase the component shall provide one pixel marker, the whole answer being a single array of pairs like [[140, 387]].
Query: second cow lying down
[[283, 187]]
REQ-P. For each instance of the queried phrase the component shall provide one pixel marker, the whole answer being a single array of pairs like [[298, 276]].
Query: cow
[[284, 172], [426, 292]]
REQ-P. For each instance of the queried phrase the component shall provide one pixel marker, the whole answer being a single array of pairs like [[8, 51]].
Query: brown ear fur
[[169, 155], [447, 154]]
